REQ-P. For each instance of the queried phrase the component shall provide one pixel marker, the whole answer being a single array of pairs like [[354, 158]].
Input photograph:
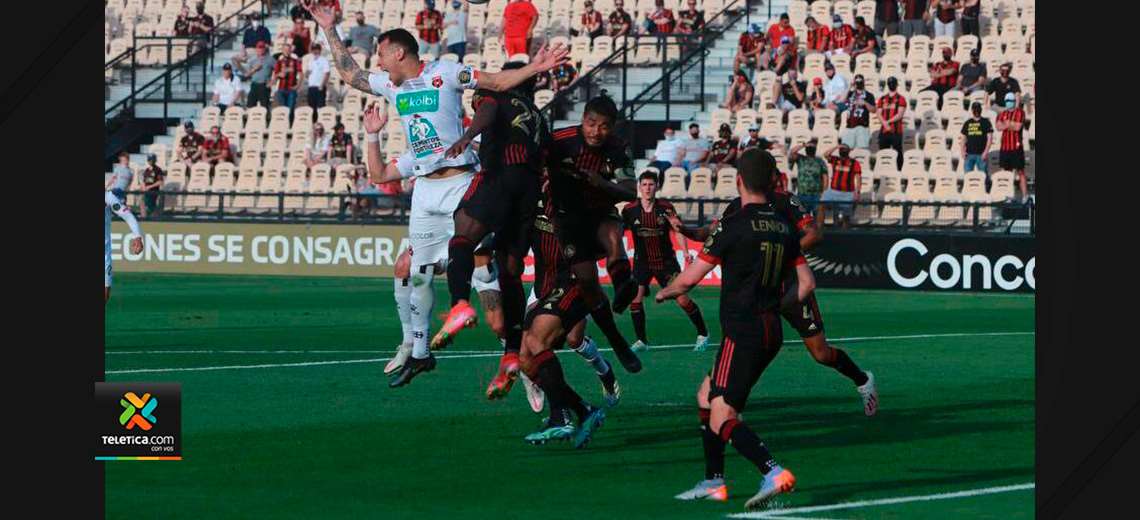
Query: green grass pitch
[[286, 412]]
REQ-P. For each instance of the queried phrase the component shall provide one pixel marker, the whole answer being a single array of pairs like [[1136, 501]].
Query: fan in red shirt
[[943, 74], [591, 22], [749, 48], [843, 188], [892, 108], [660, 20], [519, 19], [818, 37], [780, 30], [842, 37], [1011, 122], [428, 23], [216, 148]]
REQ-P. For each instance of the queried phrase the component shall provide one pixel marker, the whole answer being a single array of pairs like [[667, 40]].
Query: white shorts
[[432, 222], [481, 286]]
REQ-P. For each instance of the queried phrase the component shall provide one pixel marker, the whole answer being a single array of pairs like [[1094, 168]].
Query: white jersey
[[431, 108], [122, 178]]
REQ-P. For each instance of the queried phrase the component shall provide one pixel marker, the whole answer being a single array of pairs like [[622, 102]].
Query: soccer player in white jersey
[[115, 200], [428, 97]]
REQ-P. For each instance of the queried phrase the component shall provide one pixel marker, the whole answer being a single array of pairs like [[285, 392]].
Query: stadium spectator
[[811, 173], [216, 148], [865, 40], [428, 23], [363, 35], [972, 75], [945, 18], [815, 95], [301, 37], [842, 37], [317, 149], [190, 146], [367, 193], [318, 77], [257, 71], [287, 73], [668, 152], [691, 20], [971, 16], [114, 23], [455, 29], [860, 104], [843, 188], [299, 11], [1000, 87], [749, 48], [152, 178], [659, 21], [886, 17], [783, 29], [783, 58], [1011, 156], [740, 93], [753, 140], [834, 89], [891, 108], [621, 23], [943, 74], [519, 19], [818, 36], [256, 32], [791, 93], [182, 23], [202, 23], [590, 21], [227, 89], [723, 151], [562, 76], [695, 149], [914, 17], [340, 146], [977, 133]]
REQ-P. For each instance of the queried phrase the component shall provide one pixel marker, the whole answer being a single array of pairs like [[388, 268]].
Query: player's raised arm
[[684, 282], [546, 59], [484, 116], [349, 71]]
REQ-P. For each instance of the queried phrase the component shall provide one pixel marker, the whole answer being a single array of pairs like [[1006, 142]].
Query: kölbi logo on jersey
[[408, 103], [957, 271]]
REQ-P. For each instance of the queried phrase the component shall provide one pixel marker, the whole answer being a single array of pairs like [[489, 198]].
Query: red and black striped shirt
[[287, 80], [819, 39], [652, 243], [432, 21], [842, 37], [518, 134], [1011, 139], [567, 162], [890, 105], [948, 80], [845, 173], [551, 267]]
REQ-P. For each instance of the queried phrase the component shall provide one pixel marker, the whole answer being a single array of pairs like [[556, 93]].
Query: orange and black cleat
[[508, 372], [461, 316]]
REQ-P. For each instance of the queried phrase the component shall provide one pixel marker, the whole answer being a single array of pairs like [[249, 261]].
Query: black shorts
[[565, 303], [506, 203], [645, 274], [805, 317], [742, 359], [1011, 160], [578, 234]]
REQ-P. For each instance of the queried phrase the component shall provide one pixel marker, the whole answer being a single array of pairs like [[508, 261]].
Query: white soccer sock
[[422, 300], [124, 213], [403, 293], [589, 352]]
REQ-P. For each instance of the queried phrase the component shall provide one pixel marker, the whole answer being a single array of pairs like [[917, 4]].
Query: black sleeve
[[717, 244]]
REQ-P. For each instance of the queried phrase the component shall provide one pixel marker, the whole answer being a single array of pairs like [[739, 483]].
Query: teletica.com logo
[[138, 411]]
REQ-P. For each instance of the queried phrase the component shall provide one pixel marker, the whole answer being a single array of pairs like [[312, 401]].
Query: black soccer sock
[[847, 367], [714, 447], [604, 319], [514, 307], [548, 376], [619, 272], [637, 312], [461, 251], [694, 312], [748, 444]]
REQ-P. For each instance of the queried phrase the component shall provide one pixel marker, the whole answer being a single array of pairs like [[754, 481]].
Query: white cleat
[[711, 489], [534, 395], [870, 395], [639, 346], [397, 362], [702, 344]]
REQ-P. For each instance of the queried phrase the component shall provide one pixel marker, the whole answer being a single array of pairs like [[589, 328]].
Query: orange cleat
[[508, 371], [776, 482], [461, 316]]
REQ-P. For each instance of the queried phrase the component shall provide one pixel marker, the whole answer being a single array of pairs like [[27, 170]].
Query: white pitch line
[[780, 513], [285, 351], [497, 354]]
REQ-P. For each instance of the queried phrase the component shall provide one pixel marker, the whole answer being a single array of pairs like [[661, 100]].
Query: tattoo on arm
[[347, 67]]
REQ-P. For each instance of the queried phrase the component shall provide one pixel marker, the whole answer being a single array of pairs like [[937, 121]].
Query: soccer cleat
[[639, 346], [628, 359], [534, 395], [777, 481], [870, 395], [592, 422], [712, 489], [508, 371], [624, 295], [411, 369], [403, 350], [611, 390], [702, 344], [556, 427], [462, 316]]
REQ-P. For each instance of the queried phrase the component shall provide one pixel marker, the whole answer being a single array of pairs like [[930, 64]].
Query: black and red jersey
[[890, 105], [785, 204], [845, 173], [569, 158], [517, 137], [1011, 140], [652, 243], [551, 267]]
